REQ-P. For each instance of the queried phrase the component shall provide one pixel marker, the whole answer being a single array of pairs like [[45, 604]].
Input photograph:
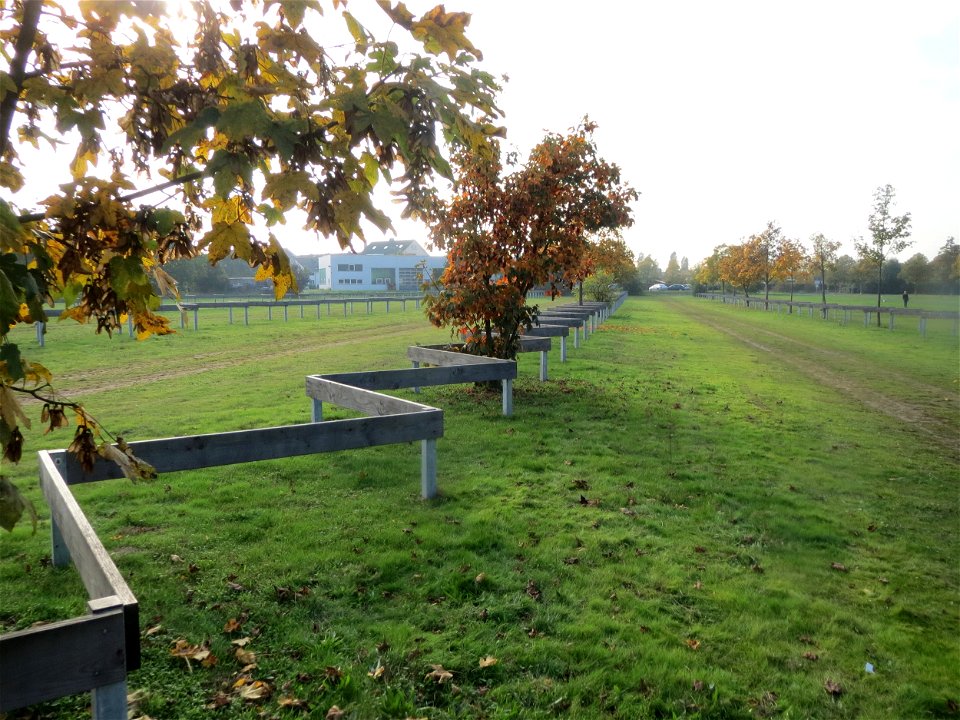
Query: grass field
[[707, 512]]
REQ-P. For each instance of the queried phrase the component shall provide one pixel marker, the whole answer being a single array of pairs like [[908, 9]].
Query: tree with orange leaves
[[505, 234]]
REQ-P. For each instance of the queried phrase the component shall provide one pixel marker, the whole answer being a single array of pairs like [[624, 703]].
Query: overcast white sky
[[725, 115]]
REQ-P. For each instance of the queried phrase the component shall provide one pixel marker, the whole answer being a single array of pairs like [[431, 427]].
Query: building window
[[342, 267]]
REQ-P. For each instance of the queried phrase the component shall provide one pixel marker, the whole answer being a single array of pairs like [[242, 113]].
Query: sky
[[724, 115], [727, 115]]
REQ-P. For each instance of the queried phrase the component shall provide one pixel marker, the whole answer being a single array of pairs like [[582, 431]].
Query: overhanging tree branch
[[18, 66]]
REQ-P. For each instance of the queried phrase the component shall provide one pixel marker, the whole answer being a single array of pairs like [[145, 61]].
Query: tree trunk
[[823, 289], [879, 290]]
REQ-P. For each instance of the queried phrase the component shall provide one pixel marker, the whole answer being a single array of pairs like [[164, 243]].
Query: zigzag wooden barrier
[[94, 652]]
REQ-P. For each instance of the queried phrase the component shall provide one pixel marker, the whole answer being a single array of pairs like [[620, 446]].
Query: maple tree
[[823, 255], [507, 233], [790, 260], [889, 235], [226, 120]]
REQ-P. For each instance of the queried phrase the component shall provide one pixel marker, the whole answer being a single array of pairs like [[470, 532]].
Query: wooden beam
[[422, 377], [357, 398], [97, 571], [62, 658], [200, 451], [441, 357]]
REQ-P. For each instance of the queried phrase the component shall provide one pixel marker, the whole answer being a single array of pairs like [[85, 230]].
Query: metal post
[[301, 311], [507, 386], [41, 333], [563, 349], [316, 413], [543, 366], [196, 318], [428, 468], [246, 314], [576, 337], [269, 312], [130, 325], [108, 702], [230, 309], [416, 388]]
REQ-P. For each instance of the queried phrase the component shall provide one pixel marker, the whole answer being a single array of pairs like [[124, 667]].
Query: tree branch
[[18, 66], [182, 180]]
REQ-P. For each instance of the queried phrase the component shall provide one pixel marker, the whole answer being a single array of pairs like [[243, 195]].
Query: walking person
[[906, 298]]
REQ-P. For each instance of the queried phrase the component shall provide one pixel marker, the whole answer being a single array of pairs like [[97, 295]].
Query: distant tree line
[[771, 261]]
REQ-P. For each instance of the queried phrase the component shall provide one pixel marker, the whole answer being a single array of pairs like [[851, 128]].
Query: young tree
[[744, 265], [708, 272], [790, 260], [823, 256], [916, 272], [506, 234], [889, 235], [242, 127]]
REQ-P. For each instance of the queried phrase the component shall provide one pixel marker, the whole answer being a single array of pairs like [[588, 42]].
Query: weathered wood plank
[[534, 344], [548, 331], [201, 451], [439, 356], [423, 377], [62, 658], [569, 321], [358, 398], [97, 571]]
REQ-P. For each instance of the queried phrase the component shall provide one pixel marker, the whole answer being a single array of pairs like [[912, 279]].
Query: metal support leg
[[416, 388], [316, 414], [428, 468], [507, 397], [563, 349], [543, 366]]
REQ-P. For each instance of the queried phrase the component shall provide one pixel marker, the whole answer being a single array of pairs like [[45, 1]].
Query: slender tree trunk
[[879, 289], [823, 289]]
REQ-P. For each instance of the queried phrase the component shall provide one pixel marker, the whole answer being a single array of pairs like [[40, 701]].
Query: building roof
[[394, 247]]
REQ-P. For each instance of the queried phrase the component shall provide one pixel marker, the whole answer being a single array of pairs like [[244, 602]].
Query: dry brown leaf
[[833, 688], [839, 567], [254, 691], [693, 644], [232, 625], [438, 674], [334, 713], [245, 657], [488, 661]]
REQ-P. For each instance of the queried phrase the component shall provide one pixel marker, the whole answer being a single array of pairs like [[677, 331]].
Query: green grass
[[652, 534]]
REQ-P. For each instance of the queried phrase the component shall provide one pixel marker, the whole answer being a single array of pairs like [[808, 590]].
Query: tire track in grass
[[828, 367]]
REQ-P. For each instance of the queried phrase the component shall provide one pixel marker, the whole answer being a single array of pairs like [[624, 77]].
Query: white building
[[401, 265]]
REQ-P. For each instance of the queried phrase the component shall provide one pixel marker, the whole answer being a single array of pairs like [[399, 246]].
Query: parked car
[[657, 287], [676, 286]]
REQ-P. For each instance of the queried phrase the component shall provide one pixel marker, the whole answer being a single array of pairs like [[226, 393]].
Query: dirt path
[[928, 412]]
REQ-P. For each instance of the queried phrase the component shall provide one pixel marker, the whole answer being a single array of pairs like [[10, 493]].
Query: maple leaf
[[254, 691], [232, 625], [438, 674], [488, 661]]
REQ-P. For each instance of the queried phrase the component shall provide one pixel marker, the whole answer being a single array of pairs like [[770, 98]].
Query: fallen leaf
[[377, 671], [153, 630], [218, 701], [628, 512], [245, 657], [293, 703], [591, 503], [241, 642], [698, 685], [254, 691], [488, 661], [693, 644], [839, 567], [811, 656], [833, 688], [532, 590], [334, 713], [439, 674], [480, 579], [232, 625]]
